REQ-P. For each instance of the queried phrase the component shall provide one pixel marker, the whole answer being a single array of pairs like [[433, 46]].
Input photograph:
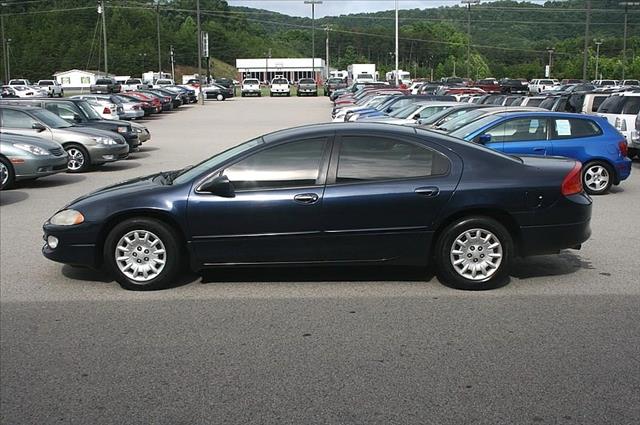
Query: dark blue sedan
[[331, 194]]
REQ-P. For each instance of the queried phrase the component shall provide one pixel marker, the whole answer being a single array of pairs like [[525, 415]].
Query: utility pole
[[313, 34], [103, 12], [158, 30], [5, 58], [469, 3], [397, 47], [200, 94], [550, 50], [8, 59], [327, 52], [173, 68], [598, 43], [626, 5], [266, 76], [585, 53]]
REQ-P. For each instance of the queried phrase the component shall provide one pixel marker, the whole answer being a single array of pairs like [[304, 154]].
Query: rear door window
[[519, 129], [574, 128], [612, 105], [631, 105]]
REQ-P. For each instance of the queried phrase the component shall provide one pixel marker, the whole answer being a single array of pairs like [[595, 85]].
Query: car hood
[[124, 188], [92, 132], [32, 140]]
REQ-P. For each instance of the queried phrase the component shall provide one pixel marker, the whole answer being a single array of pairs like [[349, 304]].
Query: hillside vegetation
[[508, 38]]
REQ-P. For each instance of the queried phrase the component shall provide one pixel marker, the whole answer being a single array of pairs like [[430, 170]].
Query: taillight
[[622, 144], [621, 124], [106, 110], [572, 182]]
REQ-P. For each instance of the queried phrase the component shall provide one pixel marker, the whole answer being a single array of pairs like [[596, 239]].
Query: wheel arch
[[498, 214], [118, 218]]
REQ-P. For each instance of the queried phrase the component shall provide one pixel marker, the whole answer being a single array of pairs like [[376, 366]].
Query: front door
[[524, 136], [383, 196], [275, 215]]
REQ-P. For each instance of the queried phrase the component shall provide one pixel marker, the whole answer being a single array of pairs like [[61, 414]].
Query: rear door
[[572, 137], [525, 135], [383, 196]]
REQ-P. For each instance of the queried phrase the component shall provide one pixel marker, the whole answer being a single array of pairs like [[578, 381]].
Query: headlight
[[354, 117], [105, 140], [34, 150], [122, 129], [67, 218]]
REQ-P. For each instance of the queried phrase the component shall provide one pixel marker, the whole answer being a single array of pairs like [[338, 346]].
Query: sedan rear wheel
[[78, 159], [219, 97], [597, 178], [143, 254], [474, 253]]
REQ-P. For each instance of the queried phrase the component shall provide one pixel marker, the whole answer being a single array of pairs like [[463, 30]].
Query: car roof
[[545, 114]]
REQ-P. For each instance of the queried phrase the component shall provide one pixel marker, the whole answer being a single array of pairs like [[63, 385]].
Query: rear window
[[133, 81], [280, 81], [103, 81], [612, 105], [631, 83], [336, 80], [546, 82], [307, 81], [45, 83], [631, 105], [251, 82]]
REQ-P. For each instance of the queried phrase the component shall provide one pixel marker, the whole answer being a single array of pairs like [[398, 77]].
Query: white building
[[293, 69], [77, 78]]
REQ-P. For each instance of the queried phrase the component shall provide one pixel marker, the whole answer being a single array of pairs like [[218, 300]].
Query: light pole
[[143, 58], [102, 11], [8, 60], [598, 43], [626, 5], [550, 50], [397, 38], [585, 52], [266, 74], [173, 68], [326, 29], [469, 3], [5, 58], [158, 31], [313, 34], [200, 94]]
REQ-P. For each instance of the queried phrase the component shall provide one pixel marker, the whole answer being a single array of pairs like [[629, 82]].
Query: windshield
[[336, 81], [472, 127], [462, 120], [280, 81], [135, 81], [251, 82], [50, 119], [445, 115], [103, 81], [88, 111], [307, 81], [406, 111], [45, 83], [210, 164]]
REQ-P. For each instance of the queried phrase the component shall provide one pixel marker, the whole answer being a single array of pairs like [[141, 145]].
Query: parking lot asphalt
[[559, 345]]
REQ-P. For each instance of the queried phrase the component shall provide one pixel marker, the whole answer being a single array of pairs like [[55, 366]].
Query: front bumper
[[100, 154], [34, 167], [131, 114], [76, 244]]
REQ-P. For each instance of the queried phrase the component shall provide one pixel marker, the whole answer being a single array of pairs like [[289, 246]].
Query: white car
[[104, 107], [280, 86], [605, 83], [542, 85], [28, 91], [621, 110], [161, 82], [411, 113], [52, 86], [250, 87], [19, 82]]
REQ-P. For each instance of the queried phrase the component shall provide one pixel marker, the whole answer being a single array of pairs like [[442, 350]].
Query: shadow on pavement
[[86, 274], [11, 197], [138, 155], [52, 181], [317, 274], [566, 262], [118, 166], [146, 148]]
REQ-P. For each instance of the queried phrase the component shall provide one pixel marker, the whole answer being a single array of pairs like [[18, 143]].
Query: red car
[[150, 99], [489, 85]]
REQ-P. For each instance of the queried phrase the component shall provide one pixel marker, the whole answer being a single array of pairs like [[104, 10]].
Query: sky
[[338, 7]]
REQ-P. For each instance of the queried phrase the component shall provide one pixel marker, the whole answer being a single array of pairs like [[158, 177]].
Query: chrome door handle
[[427, 191], [306, 198]]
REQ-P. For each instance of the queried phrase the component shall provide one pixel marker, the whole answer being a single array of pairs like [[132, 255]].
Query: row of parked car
[[587, 128], [44, 135], [280, 86]]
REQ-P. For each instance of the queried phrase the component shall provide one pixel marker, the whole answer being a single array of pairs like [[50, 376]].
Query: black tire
[[270, 94], [71, 149], [593, 167], [6, 182], [444, 257], [172, 256]]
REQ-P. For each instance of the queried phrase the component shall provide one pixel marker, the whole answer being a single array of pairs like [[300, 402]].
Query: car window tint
[[573, 128], [16, 119], [632, 105], [612, 105], [521, 129], [373, 158], [62, 110], [534, 102], [293, 164]]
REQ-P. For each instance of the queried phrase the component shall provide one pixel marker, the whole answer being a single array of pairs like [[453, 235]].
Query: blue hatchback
[[587, 138]]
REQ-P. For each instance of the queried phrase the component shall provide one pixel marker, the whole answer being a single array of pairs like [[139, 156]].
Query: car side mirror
[[219, 186], [39, 127], [77, 118], [416, 117], [484, 139]]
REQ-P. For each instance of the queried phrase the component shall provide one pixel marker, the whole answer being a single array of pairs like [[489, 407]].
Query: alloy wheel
[[596, 178], [76, 159], [140, 255], [4, 174], [476, 254]]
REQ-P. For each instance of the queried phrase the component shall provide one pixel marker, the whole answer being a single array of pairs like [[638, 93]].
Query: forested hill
[[507, 37]]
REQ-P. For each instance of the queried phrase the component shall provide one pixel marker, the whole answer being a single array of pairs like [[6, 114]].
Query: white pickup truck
[[542, 85], [52, 86], [133, 84]]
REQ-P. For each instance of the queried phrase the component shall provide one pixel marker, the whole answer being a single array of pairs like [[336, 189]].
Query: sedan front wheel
[[143, 254]]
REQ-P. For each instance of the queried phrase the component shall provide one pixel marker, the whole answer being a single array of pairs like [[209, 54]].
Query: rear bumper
[[623, 169], [537, 240]]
